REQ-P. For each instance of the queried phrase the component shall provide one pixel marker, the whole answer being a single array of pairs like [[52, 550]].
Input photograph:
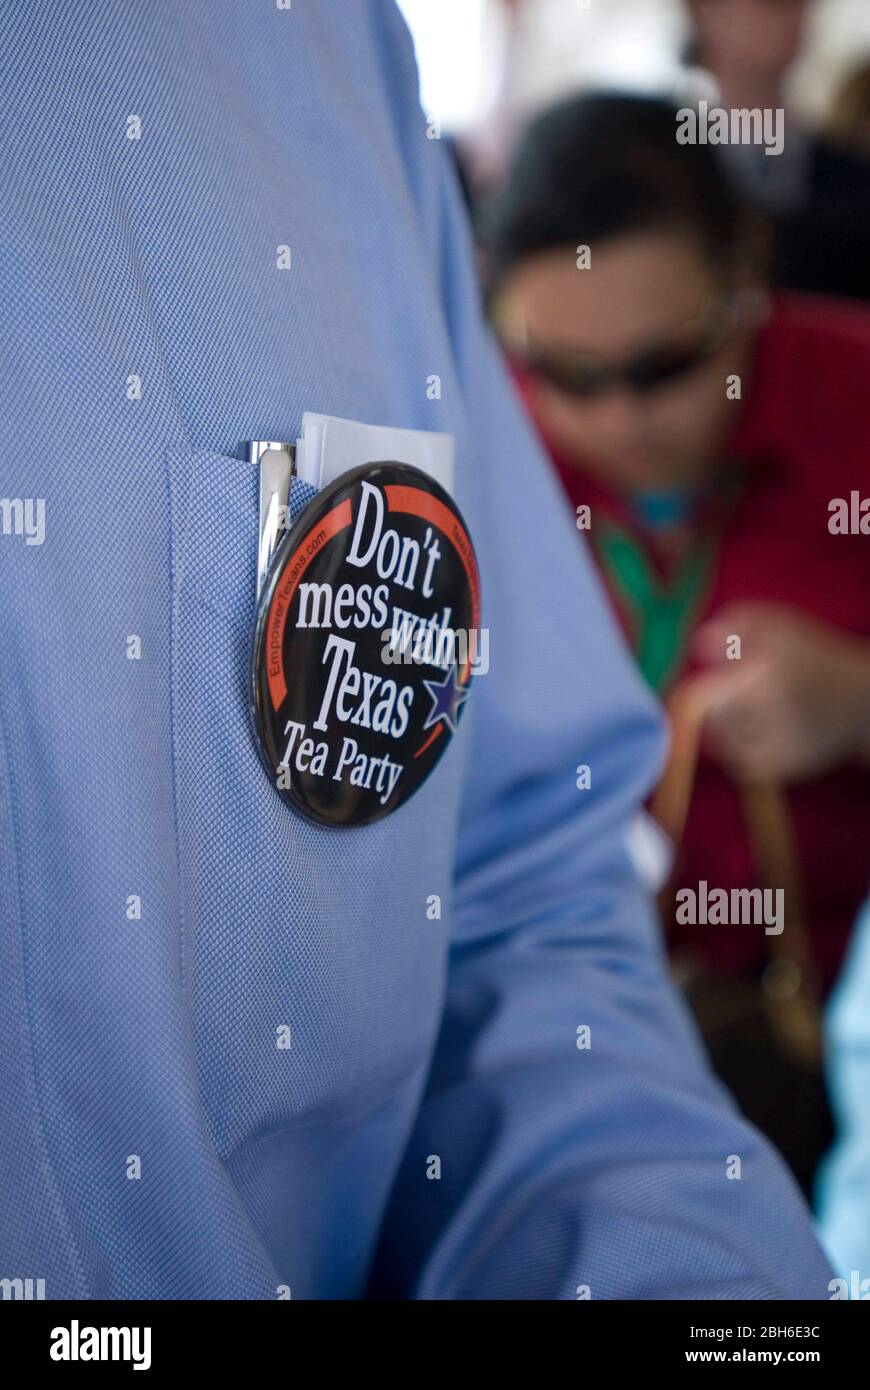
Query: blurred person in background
[[707, 428], [816, 192]]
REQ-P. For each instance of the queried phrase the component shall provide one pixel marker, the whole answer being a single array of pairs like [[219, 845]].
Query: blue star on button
[[447, 699]]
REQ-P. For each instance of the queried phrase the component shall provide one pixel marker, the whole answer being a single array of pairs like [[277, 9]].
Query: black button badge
[[364, 645]]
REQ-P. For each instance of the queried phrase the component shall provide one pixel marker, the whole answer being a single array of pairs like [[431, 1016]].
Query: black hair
[[599, 165]]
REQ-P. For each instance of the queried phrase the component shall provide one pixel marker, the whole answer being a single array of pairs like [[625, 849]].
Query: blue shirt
[[165, 914]]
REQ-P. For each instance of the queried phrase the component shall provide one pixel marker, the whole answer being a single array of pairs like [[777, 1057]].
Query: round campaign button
[[365, 643]]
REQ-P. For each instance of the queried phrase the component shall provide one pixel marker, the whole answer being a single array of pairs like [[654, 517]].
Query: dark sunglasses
[[584, 375]]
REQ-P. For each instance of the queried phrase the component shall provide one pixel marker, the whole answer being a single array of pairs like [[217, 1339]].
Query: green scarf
[[663, 613]]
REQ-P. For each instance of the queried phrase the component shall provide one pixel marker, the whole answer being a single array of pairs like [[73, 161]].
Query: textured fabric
[[154, 1037]]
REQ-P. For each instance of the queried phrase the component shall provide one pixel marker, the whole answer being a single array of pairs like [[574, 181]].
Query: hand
[[796, 702]]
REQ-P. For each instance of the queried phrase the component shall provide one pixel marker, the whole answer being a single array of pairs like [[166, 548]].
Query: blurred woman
[[714, 444]]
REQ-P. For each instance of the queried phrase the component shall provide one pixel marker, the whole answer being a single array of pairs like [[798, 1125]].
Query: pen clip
[[277, 463]]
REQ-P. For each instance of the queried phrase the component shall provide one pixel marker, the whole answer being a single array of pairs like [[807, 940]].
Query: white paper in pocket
[[329, 446]]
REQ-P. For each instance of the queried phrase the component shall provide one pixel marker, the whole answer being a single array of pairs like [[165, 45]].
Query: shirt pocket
[[215, 506], [284, 922]]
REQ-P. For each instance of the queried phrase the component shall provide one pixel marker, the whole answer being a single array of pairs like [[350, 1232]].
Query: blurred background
[[487, 65]]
